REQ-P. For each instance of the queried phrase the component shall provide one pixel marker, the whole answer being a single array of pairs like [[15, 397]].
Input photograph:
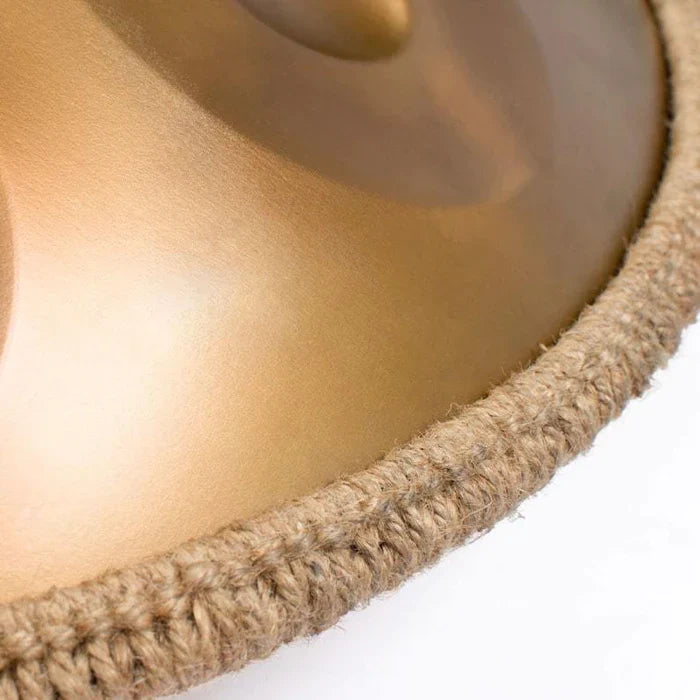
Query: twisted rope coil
[[214, 604]]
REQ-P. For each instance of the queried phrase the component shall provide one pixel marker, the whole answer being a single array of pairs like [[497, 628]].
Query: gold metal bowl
[[241, 268]]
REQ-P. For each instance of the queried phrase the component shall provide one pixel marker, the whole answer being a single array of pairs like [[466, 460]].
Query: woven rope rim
[[214, 604]]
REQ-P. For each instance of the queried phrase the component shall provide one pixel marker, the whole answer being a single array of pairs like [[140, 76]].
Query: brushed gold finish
[[234, 267], [353, 29], [424, 127]]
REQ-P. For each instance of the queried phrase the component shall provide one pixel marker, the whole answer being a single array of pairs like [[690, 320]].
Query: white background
[[592, 592]]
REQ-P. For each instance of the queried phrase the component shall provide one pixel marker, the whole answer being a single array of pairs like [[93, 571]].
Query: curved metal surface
[[215, 311]]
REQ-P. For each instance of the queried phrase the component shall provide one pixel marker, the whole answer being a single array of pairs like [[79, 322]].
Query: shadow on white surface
[[592, 591]]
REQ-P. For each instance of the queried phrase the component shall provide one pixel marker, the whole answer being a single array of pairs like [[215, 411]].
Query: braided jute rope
[[214, 604]]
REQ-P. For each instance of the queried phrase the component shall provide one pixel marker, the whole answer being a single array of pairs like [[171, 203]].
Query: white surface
[[592, 592]]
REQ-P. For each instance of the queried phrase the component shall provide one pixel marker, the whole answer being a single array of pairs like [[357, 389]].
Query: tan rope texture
[[215, 604]]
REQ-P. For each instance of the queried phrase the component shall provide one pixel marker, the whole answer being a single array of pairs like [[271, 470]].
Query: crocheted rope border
[[214, 604]]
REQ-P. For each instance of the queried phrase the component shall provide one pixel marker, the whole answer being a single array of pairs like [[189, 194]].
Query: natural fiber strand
[[215, 604]]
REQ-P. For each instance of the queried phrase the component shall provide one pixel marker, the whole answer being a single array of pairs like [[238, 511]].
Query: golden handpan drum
[[248, 247]]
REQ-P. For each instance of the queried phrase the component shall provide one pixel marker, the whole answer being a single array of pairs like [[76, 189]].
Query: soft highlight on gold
[[217, 603], [210, 317]]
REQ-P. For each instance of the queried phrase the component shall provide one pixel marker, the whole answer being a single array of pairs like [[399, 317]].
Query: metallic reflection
[[210, 316], [441, 123], [6, 267], [352, 29]]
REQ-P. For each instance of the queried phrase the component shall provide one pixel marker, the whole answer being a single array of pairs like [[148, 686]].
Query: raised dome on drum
[[354, 29], [242, 267], [440, 123]]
